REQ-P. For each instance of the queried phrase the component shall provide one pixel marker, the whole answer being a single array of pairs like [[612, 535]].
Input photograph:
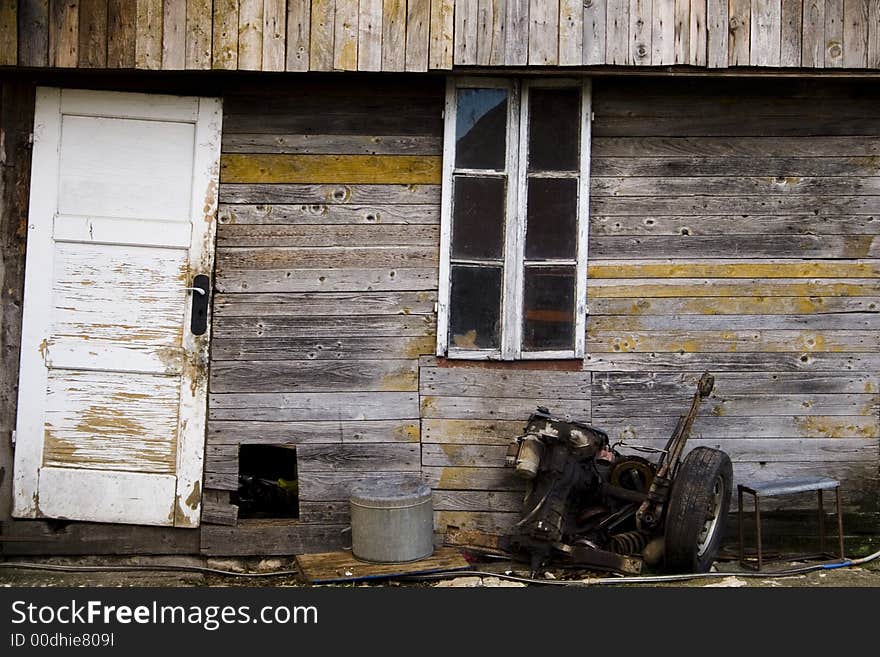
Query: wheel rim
[[713, 517]]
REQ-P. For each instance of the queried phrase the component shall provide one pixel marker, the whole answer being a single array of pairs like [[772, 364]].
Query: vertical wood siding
[[422, 35]]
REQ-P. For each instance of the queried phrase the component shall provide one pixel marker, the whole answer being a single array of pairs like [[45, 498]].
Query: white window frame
[[513, 259]]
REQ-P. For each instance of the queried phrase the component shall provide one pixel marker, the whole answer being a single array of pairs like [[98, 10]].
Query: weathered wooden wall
[[422, 35], [326, 283]]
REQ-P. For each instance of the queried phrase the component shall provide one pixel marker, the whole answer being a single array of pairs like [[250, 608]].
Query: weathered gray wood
[[327, 327], [337, 486], [332, 144], [471, 432], [834, 45], [491, 501], [808, 427], [617, 33], [732, 186], [217, 509], [857, 323], [792, 33], [873, 34], [544, 33], [571, 33], [507, 382], [733, 246], [684, 383], [326, 304], [330, 194], [292, 406], [467, 21], [233, 235], [733, 305], [765, 33], [89, 538], [314, 376], [298, 433], [418, 22], [855, 33], [255, 537], [701, 205], [16, 123], [516, 21], [471, 456], [707, 123], [813, 53], [325, 512], [771, 168], [742, 146], [323, 214], [741, 405], [475, 520], [33, 30], [735, 225], [500, 408], [330, 348], [298, 35], [640, 26], [594, 32], [367, 457], [780, 362], [326, 280], [718, 19], [682, 32]]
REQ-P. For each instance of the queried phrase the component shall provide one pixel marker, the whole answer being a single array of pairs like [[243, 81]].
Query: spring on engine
[[629, 542]]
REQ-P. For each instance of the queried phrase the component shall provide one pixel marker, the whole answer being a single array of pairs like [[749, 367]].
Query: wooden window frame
[[513, 259]]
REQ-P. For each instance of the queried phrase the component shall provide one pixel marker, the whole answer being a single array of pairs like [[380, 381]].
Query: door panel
[[112, 383]]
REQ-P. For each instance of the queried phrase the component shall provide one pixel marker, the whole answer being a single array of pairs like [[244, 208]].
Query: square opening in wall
[[267, 482]]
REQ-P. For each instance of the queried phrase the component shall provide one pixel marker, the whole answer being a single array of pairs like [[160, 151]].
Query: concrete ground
[[866, 575]]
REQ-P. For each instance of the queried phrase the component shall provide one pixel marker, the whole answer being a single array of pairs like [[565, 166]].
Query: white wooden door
[[112, 391]]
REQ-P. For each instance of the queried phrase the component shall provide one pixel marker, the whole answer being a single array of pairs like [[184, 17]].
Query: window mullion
[[583, 224], [445, 278], [513, 279]]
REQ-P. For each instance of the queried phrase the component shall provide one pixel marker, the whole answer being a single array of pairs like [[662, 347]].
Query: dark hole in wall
[[267, 482]]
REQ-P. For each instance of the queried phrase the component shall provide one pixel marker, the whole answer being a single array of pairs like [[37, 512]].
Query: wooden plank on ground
[[148, 35], [33, 31], [274, 34], [250, 35], [92, 49], [342, 566], [268, 537], [63, 34], [594, 31], [174, 35], [442, 43], [199, 20], [418, 24], [299, 24]]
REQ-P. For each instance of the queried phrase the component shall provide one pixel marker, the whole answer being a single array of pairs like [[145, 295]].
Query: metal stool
[[789, 487]]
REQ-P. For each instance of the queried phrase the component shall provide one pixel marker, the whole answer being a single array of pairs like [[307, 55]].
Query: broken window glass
[[475, 311], [548, 308], [480, 128], [478, 217], [551, 224], [554, 129]]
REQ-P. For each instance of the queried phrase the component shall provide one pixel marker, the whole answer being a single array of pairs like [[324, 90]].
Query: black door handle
[[201, 287]]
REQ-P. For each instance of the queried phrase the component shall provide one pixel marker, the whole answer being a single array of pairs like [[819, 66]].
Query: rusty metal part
[[632, 542], [650, 513], [632, 472]]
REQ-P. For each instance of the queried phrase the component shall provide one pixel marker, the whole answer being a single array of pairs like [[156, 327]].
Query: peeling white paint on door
[[113, 385]]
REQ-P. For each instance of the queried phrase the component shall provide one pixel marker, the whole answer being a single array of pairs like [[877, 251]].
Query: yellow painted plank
[[318, 169], [740, 269], [734, 288], [8, 33]]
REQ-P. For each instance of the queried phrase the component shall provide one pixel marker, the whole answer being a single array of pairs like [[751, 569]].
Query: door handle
[[201, 285]]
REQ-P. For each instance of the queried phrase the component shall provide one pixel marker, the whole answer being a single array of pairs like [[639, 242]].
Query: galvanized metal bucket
[[392, 522]]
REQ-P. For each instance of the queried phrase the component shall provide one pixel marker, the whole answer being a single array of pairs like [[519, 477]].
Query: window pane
[[548, 308], [475, 308], [478, 218], [551, 229], [554, 129], [480, 128]]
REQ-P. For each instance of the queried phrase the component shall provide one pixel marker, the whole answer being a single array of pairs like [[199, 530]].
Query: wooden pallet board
[[342, 566]]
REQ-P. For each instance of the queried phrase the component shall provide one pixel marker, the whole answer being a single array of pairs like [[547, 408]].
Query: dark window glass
[[478, 218], [548, 308], [554, 129], [475, 308], [551, 228], [480, 128]]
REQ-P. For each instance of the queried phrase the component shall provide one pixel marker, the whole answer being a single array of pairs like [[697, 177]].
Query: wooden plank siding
[[424, 35], [326, 283]]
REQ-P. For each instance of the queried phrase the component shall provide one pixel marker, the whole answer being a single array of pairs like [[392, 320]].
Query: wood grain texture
[[250, 35], [543, 33], [148, 35], [370, 35], [345, 35], [595, 40], [225, 35], [718, 36], [33, 31], [319, 169], [873, 34], [466, 31], [8, 34], [64, 33], [198, 46], [739, 42], [791, 33], [571, 32], [393, 35], [813, 44], [442, 43], [299, 25], [274, 35], [418, 23], [834, 32], [765, 33], [617, 49], [174, 35], [322, 34], [855, 33]]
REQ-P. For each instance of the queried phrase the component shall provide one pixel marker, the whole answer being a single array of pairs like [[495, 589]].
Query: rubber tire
[[685, 516]]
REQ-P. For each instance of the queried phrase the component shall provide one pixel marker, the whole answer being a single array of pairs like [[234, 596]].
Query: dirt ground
[[11, 575]]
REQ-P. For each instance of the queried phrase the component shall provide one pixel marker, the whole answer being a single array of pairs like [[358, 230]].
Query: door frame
[[36, 316]]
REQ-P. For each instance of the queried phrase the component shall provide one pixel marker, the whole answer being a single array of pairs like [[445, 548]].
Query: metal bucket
[[392, 522]]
